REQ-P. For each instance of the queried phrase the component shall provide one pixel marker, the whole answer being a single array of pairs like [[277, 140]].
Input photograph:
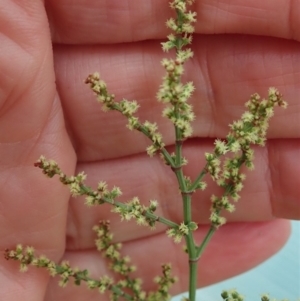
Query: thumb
[[31, 124]]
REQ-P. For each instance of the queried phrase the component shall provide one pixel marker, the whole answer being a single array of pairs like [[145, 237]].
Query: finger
[[28, 104], [115, 21], [31, 124], [271, 190], [224, 78], [285, 193], [258, 240]]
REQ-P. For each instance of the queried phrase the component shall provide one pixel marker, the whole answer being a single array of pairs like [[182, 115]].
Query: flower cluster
[[101, 195], [213, 165], [50, 168], [253, 125], [76, 184], [119, 264], [164, 283], [177, 233], [150, 129], [134, 209], [175, 93], [231, 295], [26, 256], [112, 251], [219, 203], [266, 297], [128, 109], [231, 179], [181, 26], [100, 89], [249, 130], [172, 90]]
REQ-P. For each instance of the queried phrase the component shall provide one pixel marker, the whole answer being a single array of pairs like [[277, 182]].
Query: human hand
[[64, 122]]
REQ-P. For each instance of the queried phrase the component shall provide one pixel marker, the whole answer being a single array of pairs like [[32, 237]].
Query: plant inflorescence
[[249, 130]]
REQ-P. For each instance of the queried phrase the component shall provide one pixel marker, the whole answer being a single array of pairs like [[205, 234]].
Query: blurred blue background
[[279, 276]]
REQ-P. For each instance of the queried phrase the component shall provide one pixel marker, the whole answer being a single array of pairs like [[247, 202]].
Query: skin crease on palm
[[241, 47]]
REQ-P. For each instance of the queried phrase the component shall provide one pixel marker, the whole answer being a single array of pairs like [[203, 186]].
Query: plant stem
[[187, 212], [164, 152], [193, 268], [89, 191], [199, 178], [205, 241], [194, 255]]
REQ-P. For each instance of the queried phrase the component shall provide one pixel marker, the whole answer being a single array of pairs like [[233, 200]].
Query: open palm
[[45, 109]]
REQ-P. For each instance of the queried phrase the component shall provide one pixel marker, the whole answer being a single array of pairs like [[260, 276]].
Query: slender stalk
[[207, 238], [187, 212], [193, 268], [167, 156], [164, 152], [199, 178], [88, 191], [162, 220], [194, 255]]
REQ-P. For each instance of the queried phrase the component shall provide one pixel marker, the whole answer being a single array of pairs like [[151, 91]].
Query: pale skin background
[[241, 47]]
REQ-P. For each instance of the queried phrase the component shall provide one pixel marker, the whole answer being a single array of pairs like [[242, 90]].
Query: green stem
[[113, 288], [88, 191], [207, 238], [167, 156], [187, 211], [194, 255], [162, 220], [187, 219], [199, 178], [193, 268], [164, 152], [144, 130]]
